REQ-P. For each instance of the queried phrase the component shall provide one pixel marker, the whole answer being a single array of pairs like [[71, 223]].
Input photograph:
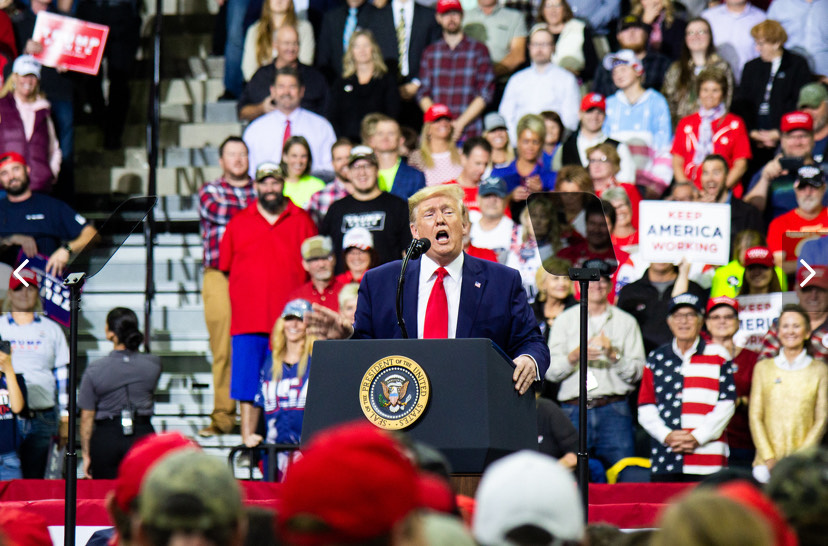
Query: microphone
[[417, 248]]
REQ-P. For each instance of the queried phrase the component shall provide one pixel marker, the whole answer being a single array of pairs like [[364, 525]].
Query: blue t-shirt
[[513, 179], [10, 436], [283, 402], [814, 252], [49, 221]]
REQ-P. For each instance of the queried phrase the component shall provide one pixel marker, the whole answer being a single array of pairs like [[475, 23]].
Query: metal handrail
[[270, 449], [153, 129]]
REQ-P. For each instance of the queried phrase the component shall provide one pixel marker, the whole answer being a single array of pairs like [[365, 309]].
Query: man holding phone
[[12, 402]]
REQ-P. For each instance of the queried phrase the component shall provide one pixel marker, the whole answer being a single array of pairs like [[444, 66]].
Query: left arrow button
[[16, 273]]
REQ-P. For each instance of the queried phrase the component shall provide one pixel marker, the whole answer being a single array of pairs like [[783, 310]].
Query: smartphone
[[791, 164], [5, 347]]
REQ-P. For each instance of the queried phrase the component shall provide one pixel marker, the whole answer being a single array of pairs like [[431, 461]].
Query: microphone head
[[421, 246]]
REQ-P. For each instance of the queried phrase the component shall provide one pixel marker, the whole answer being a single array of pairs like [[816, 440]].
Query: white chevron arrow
[[16, 273], [809, 277]]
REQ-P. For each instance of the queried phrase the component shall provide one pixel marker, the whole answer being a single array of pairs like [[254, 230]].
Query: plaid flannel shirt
[[454, 77], [322, 200], [819, 342], [218, 202]]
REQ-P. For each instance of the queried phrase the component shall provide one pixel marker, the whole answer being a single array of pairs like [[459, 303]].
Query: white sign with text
[[672, 230]]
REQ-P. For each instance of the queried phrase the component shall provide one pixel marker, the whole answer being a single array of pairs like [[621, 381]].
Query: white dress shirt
[[407, 8], [451, 282]]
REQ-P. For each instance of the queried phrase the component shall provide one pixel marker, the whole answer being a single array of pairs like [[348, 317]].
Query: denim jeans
[[233, 48], [38, 433], [609, 431], [10, 467]]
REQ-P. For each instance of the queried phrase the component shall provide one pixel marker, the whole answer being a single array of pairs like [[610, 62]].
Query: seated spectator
[[288, 119], [561, 88], [555, 133], [438, 156], [297, 162], [813, 298], [364, 86], [526, 175], [641, 119], [26, 126], [359, 253], [771, 189], [318, 261], [624, 234], [348, 301], [633, 35], [666, 26], [502, 30], [789, 396], [727, 281], [528, 498], [337, 188], [759, 277], [721, 322], [682, 191], [686, 424], [523, 253], [258, 99], [573, 179], [711, 130], [714, 189], [801, 21], [797, 488], [493, 229], [769, 87], [813, 100], [697, 55], [396, 176], [590, 133], [477, 153], [604, 165], [573, 38], [12, 404], [470, 249], [258, 41], [808, 220], [554, 293], [731, 23], [495, 132], [338, 25]]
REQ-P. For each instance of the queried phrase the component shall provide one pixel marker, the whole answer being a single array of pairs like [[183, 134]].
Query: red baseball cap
[[444, 6], [758, 255], [722, 300], [23, 528], [593, 100], [437, 111], [820, 278], [752, 498], [353, 483], [139, 459], [26, 274], [11, 157], [793, 121]]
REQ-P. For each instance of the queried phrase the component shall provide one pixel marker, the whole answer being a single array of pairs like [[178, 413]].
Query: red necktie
[[436, 316], [287, 133]]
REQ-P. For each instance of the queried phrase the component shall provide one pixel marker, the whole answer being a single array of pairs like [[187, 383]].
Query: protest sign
[[672, 230], [68, 42], [53, 295]]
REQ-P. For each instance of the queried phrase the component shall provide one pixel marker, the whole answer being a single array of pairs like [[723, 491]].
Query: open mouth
[[442, 236]]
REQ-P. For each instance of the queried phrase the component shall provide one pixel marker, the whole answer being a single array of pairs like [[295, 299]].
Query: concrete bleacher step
[[183, 7], [198, 135], [207, 156], [134, 181], [210, 112]]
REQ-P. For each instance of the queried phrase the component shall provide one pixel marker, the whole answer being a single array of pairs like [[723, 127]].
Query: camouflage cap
[[190, 490], [799, 487]]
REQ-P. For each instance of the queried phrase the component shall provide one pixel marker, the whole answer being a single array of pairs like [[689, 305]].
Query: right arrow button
[[810, 271]]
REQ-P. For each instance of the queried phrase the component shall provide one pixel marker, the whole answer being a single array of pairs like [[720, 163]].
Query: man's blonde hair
[[452, 191]]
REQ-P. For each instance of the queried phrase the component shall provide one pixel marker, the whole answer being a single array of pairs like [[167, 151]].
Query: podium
[[474, 414]]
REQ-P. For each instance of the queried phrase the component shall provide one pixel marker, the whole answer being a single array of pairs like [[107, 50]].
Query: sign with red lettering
[[756, 314], [71, 43], [672, 230]]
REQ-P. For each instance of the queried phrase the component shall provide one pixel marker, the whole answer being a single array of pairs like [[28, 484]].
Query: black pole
[[75, 283]]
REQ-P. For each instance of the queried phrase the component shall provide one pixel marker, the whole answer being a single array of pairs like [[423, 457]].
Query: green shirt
[[300, 192], [386, 176], [728, 280]]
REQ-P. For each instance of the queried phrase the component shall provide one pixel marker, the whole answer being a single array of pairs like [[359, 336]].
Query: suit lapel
[[410, 292], [471, 292]]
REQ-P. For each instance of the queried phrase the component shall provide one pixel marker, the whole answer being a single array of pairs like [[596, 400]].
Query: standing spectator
[[604, 166], [666, 26], [732, 22], [728, 278], [769, 87], [260, 252], [633, 35], [114, 390], [477, 153], [286, 120], [12, 403], [555, 132], [697, 55], [641, 118], [337, 188], [219, 201], [593, 113], [493, 230], [456, 71], [297, 162], [40, 353], [258, 47], [615, 359], [338, 25], [438, 157], [257, 99], [598, 13], [813, 100], [360, 256], [573, 38], [687, 398], [318, 260], [797, 488], [624, 235], [789, 396], [496, 134], [711, 130], [26, 126], [502, 31], [561, 88], [554, 294], [760, 277], [381, 213], [803, 22], [382, 134], [364, 86]]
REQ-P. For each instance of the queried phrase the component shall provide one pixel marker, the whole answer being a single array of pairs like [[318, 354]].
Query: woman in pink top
[[438, 156]]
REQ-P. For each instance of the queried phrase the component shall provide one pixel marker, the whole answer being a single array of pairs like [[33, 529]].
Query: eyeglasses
[[696, 33], [729, 316], [362, 167], [684, 317], [602, 159]]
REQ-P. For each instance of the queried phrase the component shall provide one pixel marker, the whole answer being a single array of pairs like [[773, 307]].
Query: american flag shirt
[[218, 202]]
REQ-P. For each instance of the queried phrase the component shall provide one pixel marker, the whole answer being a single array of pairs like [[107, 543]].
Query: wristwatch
[[68, 249]]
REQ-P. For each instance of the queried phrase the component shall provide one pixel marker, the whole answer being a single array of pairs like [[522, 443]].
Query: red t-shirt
[[265, 265], [482, 253], [347, 278], [470, 199], [635, 198], [621, 242], [788, 232], [329, 297]]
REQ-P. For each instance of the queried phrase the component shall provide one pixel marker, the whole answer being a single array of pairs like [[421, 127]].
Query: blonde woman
[[438, 156], [258, 43], [283, 386], [364, 87]]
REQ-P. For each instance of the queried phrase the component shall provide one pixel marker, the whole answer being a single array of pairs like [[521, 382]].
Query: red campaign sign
[[74, 44]]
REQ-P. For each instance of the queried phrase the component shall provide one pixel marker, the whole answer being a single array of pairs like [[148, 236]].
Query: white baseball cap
[[25, 65], [358, 237]]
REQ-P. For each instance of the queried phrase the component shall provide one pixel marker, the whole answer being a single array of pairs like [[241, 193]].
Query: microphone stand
[[417, 248]]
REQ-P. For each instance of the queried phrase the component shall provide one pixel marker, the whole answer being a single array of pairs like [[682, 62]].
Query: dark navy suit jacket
[[492, 305], [408, 181]]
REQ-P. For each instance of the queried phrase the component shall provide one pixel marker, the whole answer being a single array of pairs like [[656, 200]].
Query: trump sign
[[70, 43]]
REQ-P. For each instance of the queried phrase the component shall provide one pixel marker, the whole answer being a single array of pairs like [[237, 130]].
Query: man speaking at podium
[[447, 294]]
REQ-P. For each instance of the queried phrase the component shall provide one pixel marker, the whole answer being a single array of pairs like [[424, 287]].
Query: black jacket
[[424, 32], [329, 49]]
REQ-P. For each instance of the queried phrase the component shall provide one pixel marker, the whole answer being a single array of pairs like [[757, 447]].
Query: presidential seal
[[394, 392]]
